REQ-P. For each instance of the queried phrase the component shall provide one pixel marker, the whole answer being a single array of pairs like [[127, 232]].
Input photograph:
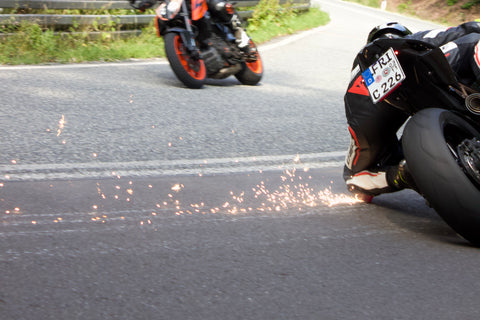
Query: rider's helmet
[[388, 30]]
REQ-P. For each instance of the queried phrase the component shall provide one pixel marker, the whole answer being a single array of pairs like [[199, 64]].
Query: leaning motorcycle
[[199, 46], [441, 140]]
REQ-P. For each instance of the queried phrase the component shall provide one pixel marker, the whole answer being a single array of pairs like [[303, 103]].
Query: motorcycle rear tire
[[190, 71], [251, 72], [440, 178]]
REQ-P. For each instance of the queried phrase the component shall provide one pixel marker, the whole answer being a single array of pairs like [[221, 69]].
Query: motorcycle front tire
[[252, 71], [189, 70], [430, 140]]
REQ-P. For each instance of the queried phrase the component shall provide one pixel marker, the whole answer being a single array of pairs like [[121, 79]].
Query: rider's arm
[[439, 37]]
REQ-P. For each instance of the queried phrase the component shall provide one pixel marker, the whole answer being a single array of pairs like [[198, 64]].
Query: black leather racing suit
[[374, 145]]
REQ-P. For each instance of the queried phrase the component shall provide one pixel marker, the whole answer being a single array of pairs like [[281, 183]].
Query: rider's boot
[[242, 38], [371, 183], [399, 177]]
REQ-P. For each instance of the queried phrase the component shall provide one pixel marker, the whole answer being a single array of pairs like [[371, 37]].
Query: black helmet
[[390, 30]]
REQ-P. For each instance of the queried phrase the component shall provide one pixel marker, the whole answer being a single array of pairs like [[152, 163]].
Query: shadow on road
[[420, 218]]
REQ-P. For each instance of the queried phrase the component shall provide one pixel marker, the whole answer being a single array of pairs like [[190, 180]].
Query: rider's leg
[[243, 40], [225, 12], [372, 165]]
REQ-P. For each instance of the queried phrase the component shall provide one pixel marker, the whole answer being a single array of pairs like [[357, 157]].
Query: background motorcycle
[[198, 46], [441, 141]]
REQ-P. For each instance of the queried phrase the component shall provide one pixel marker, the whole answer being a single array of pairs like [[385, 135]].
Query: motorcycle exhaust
[[472, 102]]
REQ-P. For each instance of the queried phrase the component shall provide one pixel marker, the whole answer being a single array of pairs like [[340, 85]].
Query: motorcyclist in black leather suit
[[374, 163]]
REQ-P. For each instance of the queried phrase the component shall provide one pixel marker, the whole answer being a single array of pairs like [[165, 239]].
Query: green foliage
[[28, 43], [470, 4], [270, 12], [451, 2], [369, 3], [405, 7], [299, 21]]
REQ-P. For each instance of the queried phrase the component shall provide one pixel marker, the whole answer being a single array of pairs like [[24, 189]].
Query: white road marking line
[[98, 170], [86, 65]]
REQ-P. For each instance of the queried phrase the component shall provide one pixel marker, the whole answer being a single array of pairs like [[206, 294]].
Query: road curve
[[125, 195]]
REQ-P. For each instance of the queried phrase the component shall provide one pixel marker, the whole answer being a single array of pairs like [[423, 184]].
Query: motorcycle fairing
[[426, 69], [199, 7]]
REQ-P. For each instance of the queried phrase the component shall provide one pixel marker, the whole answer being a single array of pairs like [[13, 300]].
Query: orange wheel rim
[[195, 68]]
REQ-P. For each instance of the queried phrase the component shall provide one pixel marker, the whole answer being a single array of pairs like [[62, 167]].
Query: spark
[[177, 187], [293, 193], [61, 125]]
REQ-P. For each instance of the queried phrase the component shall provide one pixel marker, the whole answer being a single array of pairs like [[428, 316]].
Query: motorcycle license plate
[[384, 76]]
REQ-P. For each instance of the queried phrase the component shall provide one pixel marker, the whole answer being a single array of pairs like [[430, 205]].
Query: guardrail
[[128, 24]]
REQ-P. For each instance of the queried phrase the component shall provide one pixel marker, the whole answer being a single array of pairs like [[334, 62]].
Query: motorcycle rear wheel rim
[[256, 66]]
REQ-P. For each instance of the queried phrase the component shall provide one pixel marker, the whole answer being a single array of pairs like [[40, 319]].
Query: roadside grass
[[289, 24], [369, 3], [29, 44]]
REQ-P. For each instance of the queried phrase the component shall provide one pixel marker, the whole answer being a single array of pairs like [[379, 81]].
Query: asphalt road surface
[[125, 195]]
